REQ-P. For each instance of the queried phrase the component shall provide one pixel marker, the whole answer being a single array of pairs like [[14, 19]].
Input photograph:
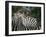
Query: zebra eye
[[26, 7]]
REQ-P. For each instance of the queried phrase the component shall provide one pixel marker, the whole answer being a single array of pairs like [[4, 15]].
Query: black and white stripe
[[27, 22]]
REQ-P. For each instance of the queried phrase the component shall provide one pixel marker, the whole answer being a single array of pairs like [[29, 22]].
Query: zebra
[[28, 22], [22, 20]]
